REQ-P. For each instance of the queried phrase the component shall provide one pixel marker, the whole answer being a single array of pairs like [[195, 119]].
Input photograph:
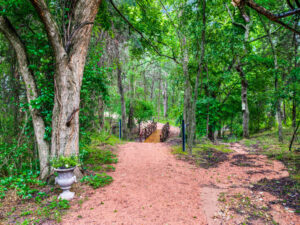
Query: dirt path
[[150, 187]]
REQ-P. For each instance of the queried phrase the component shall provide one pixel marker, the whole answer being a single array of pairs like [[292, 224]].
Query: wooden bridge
[[159, 134]]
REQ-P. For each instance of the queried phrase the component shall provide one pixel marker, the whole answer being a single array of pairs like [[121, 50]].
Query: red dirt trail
[[150, 187]]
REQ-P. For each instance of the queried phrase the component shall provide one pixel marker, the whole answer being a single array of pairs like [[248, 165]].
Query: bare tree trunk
[[243, 77], [278, 100], [199, 72], [101, 112], [245, 108], [31, 92], [159, 96], [123, 106], [294, 108], [165, 99], [152, 89], [145, 86], [187, 111]]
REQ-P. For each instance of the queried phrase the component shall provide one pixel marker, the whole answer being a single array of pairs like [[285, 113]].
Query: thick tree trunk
[[123, 106], [70, 59], [31, 93]]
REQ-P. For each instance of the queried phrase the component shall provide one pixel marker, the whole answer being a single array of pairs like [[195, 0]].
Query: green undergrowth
[[99, 155], [24, 199], [172, 122], [97, 180], [204, 154]]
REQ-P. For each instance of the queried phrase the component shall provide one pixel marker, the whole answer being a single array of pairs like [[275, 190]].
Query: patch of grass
[[177, 150], [105, 139], [98, 180]]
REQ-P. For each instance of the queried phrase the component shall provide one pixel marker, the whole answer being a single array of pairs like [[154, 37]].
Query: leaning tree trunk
[[31, 92]]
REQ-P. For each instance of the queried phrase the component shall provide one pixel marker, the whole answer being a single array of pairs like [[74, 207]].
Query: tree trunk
[[278, 100], [199, 72], [31, 93], [166, 99], [187, 96], [101, 112], [159, 96], [245, 108], [123, 106], [152, 89]]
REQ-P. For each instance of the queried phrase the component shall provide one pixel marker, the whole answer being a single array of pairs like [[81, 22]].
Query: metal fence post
[[183, 136], [120, 129]]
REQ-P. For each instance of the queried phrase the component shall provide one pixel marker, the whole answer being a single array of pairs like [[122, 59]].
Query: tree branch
[[155, 48], [51, 28], [269, 15], [232, 19]]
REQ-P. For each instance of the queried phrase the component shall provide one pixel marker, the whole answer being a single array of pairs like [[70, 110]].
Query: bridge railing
[[165, 132], [147, 131]]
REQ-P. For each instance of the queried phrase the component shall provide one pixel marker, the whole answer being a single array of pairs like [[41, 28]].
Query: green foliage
[[98, 180], [142, 110], [26, 185], [64, 162]]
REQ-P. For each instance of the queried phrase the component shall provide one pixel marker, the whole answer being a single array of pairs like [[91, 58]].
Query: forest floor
[[152, 186]]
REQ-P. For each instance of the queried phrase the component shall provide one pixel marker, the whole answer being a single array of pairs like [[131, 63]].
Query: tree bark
[[101, 112], [245, 108], [70, 61], [199, 73], [159, 95], [123, 106], [187, 96], [165, 99], [278, 100], [31, 93]]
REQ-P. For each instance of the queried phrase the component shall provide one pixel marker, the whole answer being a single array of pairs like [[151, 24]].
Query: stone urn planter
[[65, 179]]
